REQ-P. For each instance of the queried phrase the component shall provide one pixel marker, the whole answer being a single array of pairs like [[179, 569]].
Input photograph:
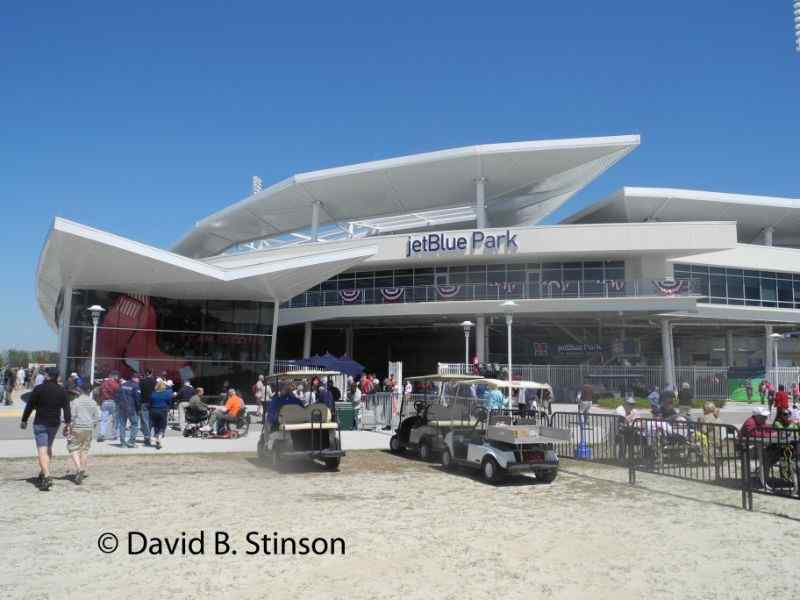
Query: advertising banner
[[743, 383]]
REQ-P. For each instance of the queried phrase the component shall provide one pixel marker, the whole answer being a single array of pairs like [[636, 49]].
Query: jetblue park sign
[[468, 242]]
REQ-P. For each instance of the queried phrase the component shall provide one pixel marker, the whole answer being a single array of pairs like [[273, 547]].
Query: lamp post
[[467, 325], [775, 337], [508, 308], [95, 311]]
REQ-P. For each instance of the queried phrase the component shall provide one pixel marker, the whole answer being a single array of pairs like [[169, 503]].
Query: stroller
[[196, 420]]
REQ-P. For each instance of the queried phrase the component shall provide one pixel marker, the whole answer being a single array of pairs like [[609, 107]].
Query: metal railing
[[607, 288], [707, 383]]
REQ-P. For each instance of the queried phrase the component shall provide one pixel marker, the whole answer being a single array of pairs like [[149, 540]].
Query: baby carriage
[[196, 420]]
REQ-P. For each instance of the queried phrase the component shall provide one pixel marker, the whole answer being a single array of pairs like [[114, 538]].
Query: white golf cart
[[506, 441], [304, 433], [425, 419]]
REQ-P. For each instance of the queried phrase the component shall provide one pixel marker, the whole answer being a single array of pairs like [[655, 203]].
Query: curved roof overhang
[[78, 256], [753, 214], [524, 182]]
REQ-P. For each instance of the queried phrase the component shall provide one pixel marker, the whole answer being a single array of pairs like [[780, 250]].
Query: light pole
[[467, 325], [95, 311], [508, 308]]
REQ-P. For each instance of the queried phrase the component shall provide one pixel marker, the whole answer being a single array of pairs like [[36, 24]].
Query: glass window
[[735, 286], [717, 286], [752, 289], [785, 291], [768, 292]]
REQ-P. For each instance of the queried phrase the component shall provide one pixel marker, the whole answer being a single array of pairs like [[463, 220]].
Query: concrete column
[[349, 338], [729, 349], [63, 332], [480, 337], [480, 202], [768, 351], [315, 220], [667, 352], [274, 341], [768, 231], [307, 340]]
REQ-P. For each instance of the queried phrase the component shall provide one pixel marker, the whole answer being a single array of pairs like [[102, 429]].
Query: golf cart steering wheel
[[481, 414], [420, 406]]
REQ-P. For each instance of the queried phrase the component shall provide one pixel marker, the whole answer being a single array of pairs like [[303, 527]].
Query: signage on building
[[579, 348], [473, 241]]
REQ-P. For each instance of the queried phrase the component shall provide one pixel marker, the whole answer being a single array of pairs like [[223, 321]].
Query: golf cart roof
[[515, 384], [447, 378], [303, 374]]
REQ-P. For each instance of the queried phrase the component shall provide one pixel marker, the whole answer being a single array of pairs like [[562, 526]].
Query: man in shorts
[[85, 415], [49, 400]]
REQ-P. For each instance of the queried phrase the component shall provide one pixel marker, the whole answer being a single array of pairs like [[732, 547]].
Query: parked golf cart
[[302, 433], [504, 442], [425, 419]]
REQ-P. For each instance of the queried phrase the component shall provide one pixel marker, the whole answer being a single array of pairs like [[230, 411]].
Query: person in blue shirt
[[160, 401], [283, 398], [494, 399], [128, 399]]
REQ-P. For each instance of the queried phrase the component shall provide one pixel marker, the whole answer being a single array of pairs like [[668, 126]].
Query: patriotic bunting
[[350, 296], [392, 294]]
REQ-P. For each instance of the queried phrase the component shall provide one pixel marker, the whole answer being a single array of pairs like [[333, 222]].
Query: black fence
[[710, 453]]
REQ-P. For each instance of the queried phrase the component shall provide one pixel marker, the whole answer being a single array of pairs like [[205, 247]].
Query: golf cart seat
[[296, 418], [449, 416]]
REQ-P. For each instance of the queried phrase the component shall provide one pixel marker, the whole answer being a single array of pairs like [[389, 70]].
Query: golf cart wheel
[[547, 476], [425, 452], [491, 471], [332, 464], [447, 460], [394, 445]]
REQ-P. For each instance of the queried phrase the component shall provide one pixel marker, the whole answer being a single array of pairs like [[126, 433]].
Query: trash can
[[345, 414]]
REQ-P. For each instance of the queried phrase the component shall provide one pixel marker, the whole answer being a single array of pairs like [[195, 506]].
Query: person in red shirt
[[781, 400], [756, 425]]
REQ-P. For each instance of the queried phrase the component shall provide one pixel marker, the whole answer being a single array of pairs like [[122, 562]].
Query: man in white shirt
[[21, 378], [39, 379]]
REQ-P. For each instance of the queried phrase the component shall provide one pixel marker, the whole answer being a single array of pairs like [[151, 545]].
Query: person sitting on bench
[[228, 413]]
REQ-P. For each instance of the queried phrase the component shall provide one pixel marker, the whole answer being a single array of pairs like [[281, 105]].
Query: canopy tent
[[343, 364]]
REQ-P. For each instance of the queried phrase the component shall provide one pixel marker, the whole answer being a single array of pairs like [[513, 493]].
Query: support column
[[273, 342], [768, 351], [349, 336], [63, 332], [480, 338], [768, 231], [480, 202], [667, 352], [315, 220], [307, 340], [729, 349]]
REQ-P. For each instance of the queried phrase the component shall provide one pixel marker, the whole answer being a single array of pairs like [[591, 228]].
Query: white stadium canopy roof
[[753, 214], [82, 257], [524, 182]]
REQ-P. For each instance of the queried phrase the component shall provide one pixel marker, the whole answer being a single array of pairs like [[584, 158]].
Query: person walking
[[748, 390], [128, 400], [762, 389], [108, 408], [85, 415], [160, 401], [49, 401], [20, 378], [147, 385]]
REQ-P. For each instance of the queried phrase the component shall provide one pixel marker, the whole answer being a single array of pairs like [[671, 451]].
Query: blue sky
[[140, 119]]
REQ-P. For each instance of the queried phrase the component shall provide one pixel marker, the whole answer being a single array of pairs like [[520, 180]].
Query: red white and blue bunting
[[350, 296], [669, 287], [392, 294], [448, 291]]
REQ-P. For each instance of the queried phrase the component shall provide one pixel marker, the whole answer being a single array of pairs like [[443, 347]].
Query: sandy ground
[[411, 531]]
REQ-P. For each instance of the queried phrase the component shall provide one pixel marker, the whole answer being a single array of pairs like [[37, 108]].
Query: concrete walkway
[[351, 440]]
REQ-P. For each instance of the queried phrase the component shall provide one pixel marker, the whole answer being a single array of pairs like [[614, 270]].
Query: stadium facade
[[384, 260]]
